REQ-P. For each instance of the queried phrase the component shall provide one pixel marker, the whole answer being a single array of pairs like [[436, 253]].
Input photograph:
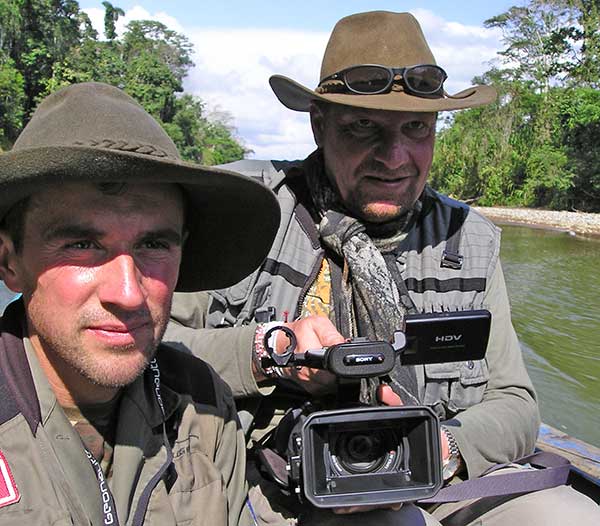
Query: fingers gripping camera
[[373, 455]]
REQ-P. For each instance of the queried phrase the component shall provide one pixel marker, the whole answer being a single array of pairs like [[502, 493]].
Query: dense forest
[[539, 144], [48, 44]]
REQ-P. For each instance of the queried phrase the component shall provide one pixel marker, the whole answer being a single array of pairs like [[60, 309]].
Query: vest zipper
[[311, 278]]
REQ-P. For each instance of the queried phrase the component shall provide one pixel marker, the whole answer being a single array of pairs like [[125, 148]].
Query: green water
[[554, 287]]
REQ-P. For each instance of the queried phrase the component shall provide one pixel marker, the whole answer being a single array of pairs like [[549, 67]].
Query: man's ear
[[317, 122], [9, 263]]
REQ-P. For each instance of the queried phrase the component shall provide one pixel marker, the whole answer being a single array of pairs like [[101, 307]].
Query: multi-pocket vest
[[445, 262]]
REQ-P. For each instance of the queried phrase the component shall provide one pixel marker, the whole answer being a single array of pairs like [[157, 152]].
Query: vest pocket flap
[[239, 293], [443, 371], [474, 372]]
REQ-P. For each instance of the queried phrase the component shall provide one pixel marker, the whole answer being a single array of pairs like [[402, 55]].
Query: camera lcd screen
[[446, 337]]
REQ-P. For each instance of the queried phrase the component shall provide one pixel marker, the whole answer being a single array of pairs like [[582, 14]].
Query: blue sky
[[239, 44], [306, 14]]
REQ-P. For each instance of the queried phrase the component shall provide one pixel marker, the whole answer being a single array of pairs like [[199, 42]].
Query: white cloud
[[463, 51], [232, 71], [233, 67]]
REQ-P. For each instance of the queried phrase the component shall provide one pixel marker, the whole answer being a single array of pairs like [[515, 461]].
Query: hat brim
[[297, 97], [231, 219]]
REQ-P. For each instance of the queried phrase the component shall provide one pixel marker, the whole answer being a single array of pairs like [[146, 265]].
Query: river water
[[554, 288]]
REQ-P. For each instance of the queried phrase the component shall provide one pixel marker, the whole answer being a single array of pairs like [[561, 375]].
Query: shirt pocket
[[198, 496], [455, 386]]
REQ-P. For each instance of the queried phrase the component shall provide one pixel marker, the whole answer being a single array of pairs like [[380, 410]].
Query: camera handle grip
[[287, 356], [315, 358]]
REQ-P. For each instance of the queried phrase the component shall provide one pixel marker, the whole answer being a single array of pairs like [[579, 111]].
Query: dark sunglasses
[[424, 80]]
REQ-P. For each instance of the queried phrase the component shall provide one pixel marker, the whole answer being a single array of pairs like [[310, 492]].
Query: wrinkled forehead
[[102, 200]]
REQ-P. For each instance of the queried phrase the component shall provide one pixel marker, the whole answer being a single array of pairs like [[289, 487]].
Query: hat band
[[124, 146]]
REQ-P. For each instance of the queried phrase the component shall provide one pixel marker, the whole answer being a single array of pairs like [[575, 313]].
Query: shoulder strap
[[552, 470], [451, 257]]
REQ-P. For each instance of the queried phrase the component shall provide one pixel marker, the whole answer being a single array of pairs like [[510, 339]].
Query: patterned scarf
[[369, 302]]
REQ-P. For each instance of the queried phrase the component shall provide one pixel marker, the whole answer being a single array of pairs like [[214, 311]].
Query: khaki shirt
[[58, 486]]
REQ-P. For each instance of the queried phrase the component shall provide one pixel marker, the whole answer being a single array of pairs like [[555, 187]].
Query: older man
[[363, 242], [99, 423]]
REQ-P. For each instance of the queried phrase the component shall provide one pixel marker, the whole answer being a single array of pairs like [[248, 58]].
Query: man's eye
[[417, 129], [80, 245], [364, 124], [155, 244]]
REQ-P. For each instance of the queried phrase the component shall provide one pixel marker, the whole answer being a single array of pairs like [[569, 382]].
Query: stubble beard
[[108, 367], [377, 212]]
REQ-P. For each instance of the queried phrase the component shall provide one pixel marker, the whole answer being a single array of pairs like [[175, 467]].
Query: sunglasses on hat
[[425, 80]]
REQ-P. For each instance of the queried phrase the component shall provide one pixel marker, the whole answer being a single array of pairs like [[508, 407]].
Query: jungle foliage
[[537, 146], [48, 44]]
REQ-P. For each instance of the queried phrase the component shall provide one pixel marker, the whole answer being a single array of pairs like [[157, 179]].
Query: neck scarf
[[371, 303]]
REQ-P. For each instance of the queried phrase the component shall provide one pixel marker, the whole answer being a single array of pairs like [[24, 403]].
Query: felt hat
[[94, 132], [378, 37]]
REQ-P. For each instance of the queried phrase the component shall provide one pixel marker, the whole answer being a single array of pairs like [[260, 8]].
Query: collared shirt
[[202, 485], [128, 459]]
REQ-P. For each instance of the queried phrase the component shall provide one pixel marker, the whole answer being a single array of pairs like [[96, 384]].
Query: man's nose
[[392, 152], [122, 283]]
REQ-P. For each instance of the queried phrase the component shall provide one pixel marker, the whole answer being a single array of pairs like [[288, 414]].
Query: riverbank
[[579, 223]]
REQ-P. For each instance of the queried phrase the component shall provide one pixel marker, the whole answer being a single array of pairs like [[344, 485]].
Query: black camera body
[[372, 455], [369, 455]]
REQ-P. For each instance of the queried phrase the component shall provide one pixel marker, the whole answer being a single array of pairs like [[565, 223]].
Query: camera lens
[[362, 452]]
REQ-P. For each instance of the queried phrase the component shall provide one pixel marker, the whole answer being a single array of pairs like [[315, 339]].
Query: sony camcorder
[[369, 455]]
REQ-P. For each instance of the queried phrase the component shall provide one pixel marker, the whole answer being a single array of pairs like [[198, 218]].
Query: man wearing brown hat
[[363, 242], [100, 222]]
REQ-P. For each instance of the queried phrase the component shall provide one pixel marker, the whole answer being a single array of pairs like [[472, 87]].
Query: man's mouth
[[389, 178], [118, 333]]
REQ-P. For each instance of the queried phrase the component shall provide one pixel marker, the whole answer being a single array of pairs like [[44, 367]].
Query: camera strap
[[109, 509], [551, 471]]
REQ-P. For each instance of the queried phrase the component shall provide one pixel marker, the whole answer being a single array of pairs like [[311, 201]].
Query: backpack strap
[[451, 257]]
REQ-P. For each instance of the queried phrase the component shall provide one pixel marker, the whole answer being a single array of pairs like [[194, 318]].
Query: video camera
[[369, 455]]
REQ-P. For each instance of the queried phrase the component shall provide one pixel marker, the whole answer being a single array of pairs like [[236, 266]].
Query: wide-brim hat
[[94, 132], [378, 37]]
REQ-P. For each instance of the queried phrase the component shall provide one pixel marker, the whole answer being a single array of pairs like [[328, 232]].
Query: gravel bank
[[577, 222]]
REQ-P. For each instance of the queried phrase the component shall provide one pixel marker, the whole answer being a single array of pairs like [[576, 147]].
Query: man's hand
[[312, 332]]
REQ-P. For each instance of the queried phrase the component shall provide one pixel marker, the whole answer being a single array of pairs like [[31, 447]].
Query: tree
[[48, 44], [158, 59], [537, 145], [535, 39], [552, 42], [111, 15], [586, 70], [12, 99], [171, 48], [47, 31], [199, 139]]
